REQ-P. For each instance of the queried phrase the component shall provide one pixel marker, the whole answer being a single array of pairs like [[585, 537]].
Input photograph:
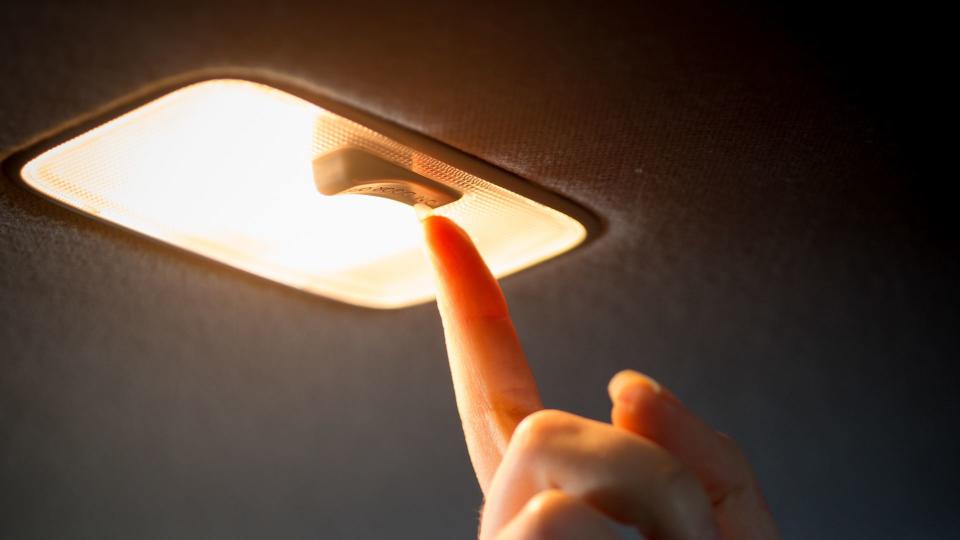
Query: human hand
[[551, 474]]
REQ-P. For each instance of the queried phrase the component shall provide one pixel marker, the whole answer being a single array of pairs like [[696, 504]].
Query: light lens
[[223, 168]]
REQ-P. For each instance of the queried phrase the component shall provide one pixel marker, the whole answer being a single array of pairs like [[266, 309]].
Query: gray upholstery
[[767, 257]]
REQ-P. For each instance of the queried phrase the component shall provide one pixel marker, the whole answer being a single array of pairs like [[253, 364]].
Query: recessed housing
[[279, 183]]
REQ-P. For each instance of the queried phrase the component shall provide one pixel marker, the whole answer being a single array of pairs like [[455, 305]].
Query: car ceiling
[[768, 254]]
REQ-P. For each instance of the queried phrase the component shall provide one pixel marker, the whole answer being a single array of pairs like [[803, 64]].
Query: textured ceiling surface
[[769, 255]]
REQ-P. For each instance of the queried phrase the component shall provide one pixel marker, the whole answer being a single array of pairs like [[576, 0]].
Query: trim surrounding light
[[225, 168]]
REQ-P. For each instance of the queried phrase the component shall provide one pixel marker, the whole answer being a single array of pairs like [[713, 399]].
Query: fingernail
[[626, 385], [423, 211]]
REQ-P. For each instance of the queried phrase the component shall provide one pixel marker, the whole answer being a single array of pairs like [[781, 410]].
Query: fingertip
[[466, 287], [448, 244], [431, 220], [642, 406], [441, 232], [628, 385]]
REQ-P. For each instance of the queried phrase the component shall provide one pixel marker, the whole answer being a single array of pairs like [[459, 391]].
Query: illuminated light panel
[[223, 168]]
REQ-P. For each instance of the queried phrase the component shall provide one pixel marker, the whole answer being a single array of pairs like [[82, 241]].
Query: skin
[[552, 474]]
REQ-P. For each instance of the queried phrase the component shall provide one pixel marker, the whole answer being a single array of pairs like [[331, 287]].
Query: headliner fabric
[[772, 254]]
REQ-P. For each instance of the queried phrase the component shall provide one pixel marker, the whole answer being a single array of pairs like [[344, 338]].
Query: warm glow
[[223, 168]]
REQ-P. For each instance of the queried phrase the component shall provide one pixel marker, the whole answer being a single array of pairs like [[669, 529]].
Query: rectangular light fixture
[[294, 188]]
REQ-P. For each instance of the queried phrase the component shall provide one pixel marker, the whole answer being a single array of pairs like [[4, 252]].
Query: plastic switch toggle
[[354, 171]]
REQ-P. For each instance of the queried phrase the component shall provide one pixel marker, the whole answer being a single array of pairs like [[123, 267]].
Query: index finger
[[493, 384]]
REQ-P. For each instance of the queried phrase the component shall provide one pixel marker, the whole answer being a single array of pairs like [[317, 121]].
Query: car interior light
[[290, 186]]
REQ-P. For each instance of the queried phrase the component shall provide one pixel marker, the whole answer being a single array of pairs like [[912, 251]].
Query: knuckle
[[546, 512], [549, 503], [682, 485], [687, 506], [538, 428]]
